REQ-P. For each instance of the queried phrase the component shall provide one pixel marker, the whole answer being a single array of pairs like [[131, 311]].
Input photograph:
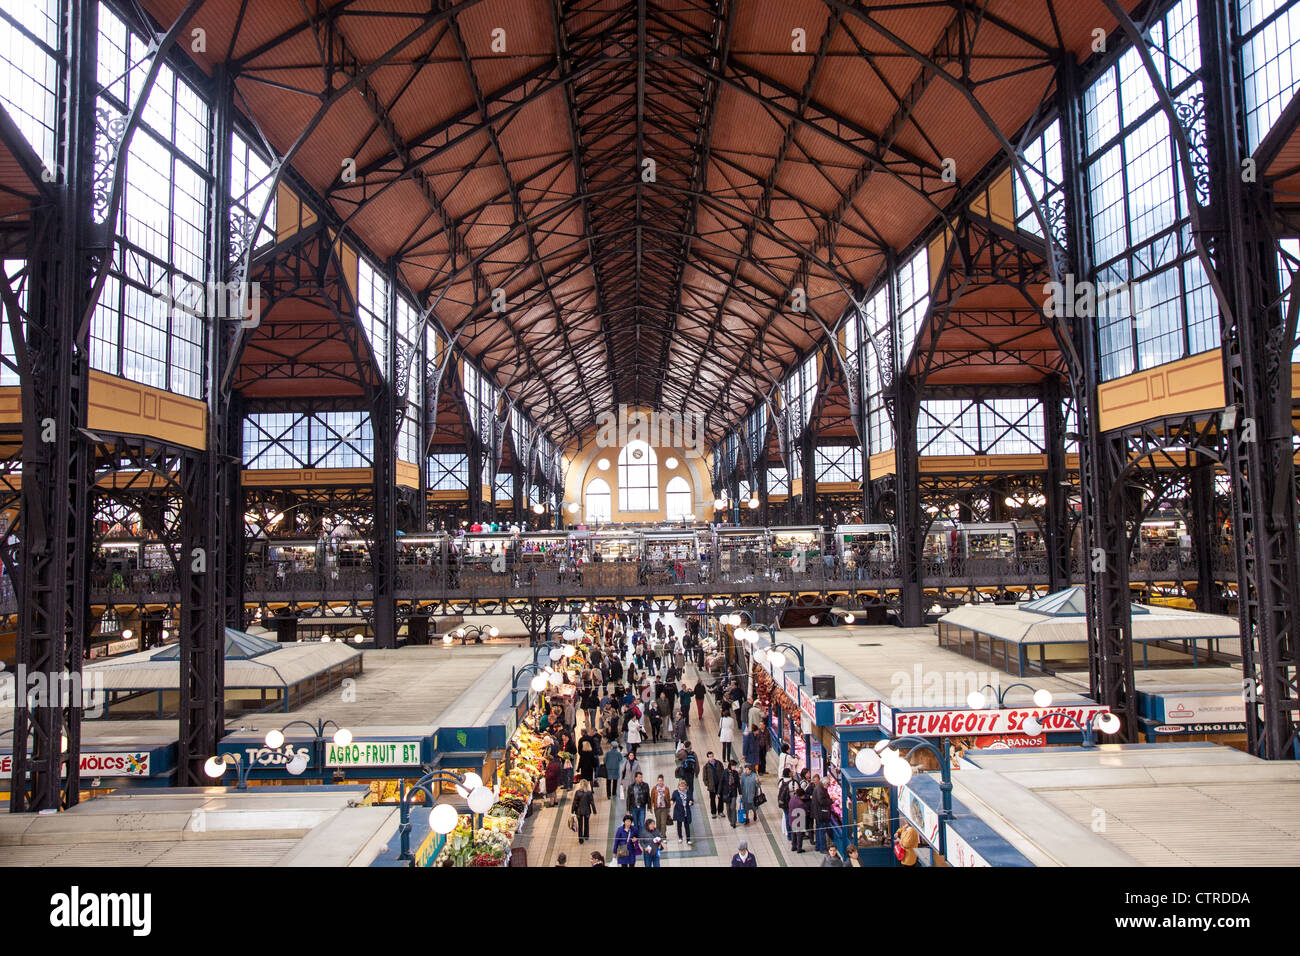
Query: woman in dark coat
[[552, 780], [749, 749], [588, 755], [584, 805]]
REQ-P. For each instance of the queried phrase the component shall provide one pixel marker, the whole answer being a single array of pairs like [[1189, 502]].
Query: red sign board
[[961, 723]]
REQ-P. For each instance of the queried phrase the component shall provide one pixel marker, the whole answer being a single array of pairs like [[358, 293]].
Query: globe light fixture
[[556, 679], [867, 761], [127, 634], [471, 781], [538, 683], [274, 739], [556, 654], [898, 772], [1032, 727], [976, 700], [1108, 723], [1042, 698], [777, 659], [849, 618], [571, 507], [325, 639], [481, 800], [214, 767], [493, 630], [813, 618], [298, 764], [358, 638], [447, 638], [719, 503], [443, 819], [538, 508], [342, 737]]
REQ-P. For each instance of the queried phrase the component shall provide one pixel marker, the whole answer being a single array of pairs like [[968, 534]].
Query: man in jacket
[[690, 767], [682, 804], [821, 811], [684, 702], [700, 694], [729, 791], [638, 801], [613, 767], [749, 748], [679, 727], [742, 856], [661, 799], [713, 771], [748, 791]]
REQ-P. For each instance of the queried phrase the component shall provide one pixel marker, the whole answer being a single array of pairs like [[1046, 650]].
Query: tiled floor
[[546, 834]]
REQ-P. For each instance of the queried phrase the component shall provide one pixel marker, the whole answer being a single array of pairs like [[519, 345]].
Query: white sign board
[[125, 764], [919, 814], [962, 723]]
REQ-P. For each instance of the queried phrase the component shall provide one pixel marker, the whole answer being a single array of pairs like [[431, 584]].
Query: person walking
[[783, 791], [661, 799], [726, 733], [633, 735], [743, 857], [631, 767], [627, 843], [713, 770], [588, 754], [700, 693], [682, 804], [613, 769], [552, 778], [652, 844], [684, 702], [749, 749], [584, 805], [748, 791], [638, 801], [798, 820], [729, 791], [679, 727], [690, 767]]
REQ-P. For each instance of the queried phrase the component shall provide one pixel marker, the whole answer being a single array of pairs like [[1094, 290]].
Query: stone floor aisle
[[546, 834]]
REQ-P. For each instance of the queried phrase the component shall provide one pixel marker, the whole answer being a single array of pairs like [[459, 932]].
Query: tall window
[[599, 501], [372, 308], [15, 269], [29, 71], [1270, 61], [877, 358], [148, 324], [1154, 302], [638, 478], [913, 290], [679, 500]]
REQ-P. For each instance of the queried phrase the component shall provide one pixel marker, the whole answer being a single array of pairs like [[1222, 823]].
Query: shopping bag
[[740, 815]]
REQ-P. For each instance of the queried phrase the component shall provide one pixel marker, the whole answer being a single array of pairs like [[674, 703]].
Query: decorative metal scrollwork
[[1191, 116], [109, 129]]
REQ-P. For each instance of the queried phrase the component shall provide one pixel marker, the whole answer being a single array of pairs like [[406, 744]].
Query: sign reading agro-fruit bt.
[[373, 753], [960, 723]]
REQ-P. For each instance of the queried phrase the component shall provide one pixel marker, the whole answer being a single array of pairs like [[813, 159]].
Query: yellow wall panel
[[408, 475], [1189, 385], [117, 405], [306, 477], [11, 405]]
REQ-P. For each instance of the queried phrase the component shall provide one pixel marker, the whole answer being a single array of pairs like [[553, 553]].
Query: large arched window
[[677, 496], [599, 505], [638, 478]]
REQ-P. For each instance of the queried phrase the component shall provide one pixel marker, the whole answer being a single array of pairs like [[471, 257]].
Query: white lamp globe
[[572, 508], [1042, 698], [1108, 723], [297, 765], [849, 619], [458, 633], [777, 659], [342, 737], [760, 655], [555, 680], [358, 638], [447, 638], [898, 772], [1031, 727], [753, 502], [274, 739], [556, 653], [443, 818], [127, 634], [569, 650], [538, 508], [472, 781], [719, 504], [325, 639], [812, 619], [867, 761], [735, 620], [493, 630], [214, 767], [538, 683], [975, 700], [882, 746], [481, 800]]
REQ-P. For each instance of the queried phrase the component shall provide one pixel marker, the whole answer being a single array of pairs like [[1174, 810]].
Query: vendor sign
[[131, 763], [373, 753], [856, 713], [961, 723], [919, 814]]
